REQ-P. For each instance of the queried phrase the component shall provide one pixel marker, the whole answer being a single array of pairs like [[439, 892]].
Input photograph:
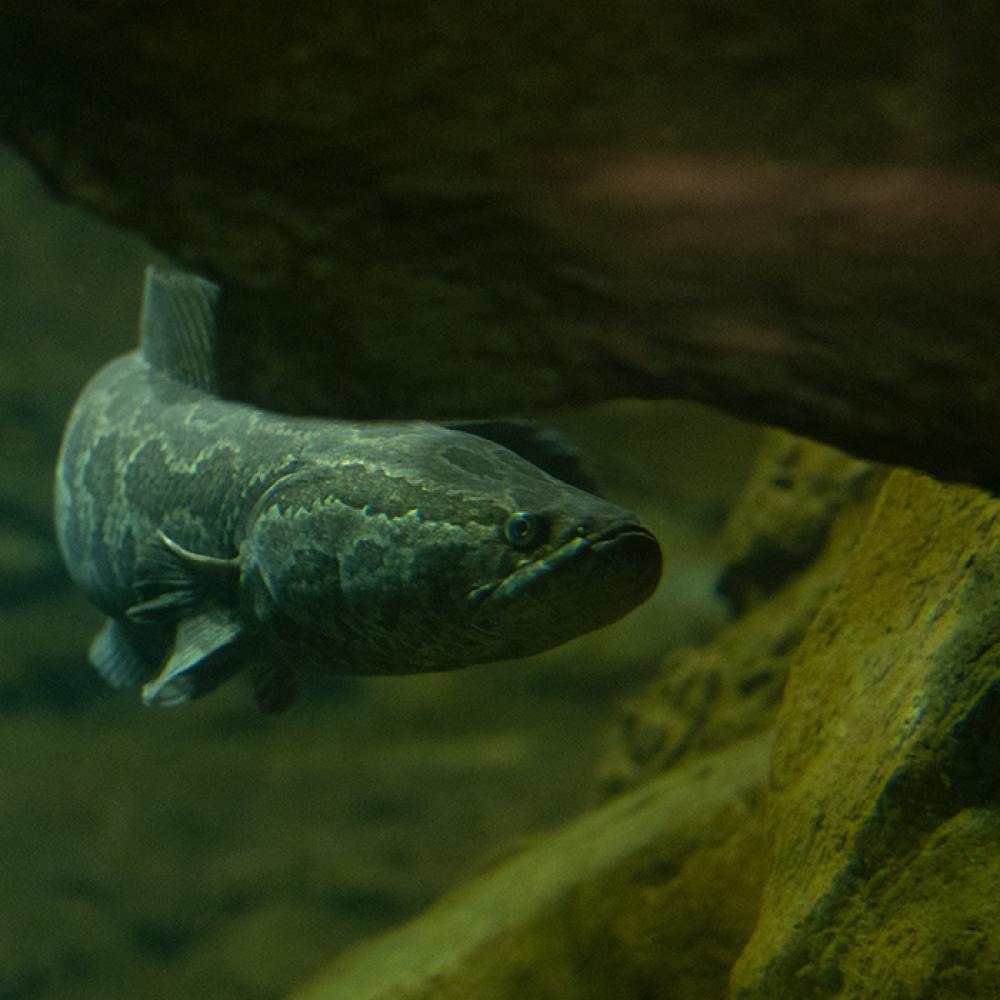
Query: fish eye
[[524, 530]]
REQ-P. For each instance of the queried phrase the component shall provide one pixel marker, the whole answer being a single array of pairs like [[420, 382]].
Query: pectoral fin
[[178, 580], [206, 652]]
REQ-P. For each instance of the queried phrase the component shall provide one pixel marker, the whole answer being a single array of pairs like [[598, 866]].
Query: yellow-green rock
[[658, 887], [782, 521], [804, 505], [886, 834]]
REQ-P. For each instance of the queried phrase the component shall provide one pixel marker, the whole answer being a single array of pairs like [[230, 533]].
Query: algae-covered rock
[[886, 835], [787, 541], [784, 513], [620, 903], [886, 831]]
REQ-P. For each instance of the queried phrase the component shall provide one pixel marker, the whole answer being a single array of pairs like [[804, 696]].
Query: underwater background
[[213, 851]]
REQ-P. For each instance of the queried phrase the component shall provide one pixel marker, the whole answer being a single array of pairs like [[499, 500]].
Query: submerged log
[[465, 210]]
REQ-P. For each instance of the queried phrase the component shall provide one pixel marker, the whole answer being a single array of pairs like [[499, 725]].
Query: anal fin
[[274, 686]]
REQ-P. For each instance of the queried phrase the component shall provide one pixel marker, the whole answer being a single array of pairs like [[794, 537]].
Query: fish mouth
[[623, 550]]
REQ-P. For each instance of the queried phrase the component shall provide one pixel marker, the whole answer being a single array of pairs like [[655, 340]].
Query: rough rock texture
[[783, 517], [884, 807], [467, 208], [802, 507], [614, 905], [885, 818]]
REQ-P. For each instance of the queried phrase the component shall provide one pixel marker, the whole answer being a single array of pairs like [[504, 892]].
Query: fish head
[[436, 549]]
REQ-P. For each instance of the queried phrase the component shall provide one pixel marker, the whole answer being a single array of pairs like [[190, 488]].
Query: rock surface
[[614, 905], [802, 508], [885, 819], [783, 518], [471, 210]]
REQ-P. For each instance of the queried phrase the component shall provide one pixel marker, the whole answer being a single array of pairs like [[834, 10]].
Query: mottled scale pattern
[[217, 536]]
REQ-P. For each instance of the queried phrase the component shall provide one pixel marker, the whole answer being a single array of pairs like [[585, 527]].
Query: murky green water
[[210, 851]]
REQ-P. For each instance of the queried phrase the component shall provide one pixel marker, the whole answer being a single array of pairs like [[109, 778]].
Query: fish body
[[217, 536]]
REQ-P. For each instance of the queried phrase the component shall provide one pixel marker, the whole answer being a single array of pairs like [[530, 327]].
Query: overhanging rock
[[468, 210]]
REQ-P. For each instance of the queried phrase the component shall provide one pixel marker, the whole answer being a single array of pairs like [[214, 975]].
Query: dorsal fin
[[177, 331], [540, 445]]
